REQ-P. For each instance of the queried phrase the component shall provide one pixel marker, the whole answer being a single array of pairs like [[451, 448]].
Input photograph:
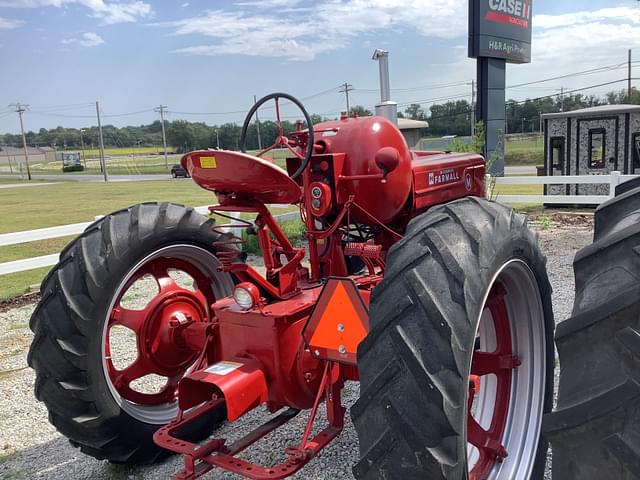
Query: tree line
[[450, 118], [454, 118]]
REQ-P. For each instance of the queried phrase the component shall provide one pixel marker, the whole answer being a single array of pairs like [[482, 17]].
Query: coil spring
[[229, 245]]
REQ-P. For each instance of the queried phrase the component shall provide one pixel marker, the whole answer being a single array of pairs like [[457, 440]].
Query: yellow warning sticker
[[208, 162]]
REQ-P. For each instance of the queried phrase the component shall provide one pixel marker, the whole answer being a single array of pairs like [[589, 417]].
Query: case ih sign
[[500, 29]]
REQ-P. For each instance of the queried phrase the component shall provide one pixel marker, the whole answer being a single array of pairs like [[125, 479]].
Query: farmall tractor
[[435, 299]]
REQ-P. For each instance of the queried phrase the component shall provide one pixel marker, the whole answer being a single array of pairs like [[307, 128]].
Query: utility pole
[[346, 88], [257, 126], [630, 89], [20, 109], [217, 139], [103, 163], [161, 109], [562, 99], [540, 123], [84, 157]]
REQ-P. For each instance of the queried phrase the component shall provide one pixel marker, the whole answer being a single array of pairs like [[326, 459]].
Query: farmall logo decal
[[445, 176], [511, 12], [468, 181]]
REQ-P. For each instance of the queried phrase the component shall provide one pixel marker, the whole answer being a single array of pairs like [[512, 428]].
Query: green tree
[[180, 134], [415, 112], [360, 111]]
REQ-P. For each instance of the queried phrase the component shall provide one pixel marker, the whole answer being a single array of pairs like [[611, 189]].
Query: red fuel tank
[[367, 143]]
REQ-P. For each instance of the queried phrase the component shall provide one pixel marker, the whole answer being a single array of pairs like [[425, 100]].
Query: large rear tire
[[88, 391], [595, 430], [465, 295]]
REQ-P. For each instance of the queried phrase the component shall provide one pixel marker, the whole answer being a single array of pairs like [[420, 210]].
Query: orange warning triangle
[[341, 322]]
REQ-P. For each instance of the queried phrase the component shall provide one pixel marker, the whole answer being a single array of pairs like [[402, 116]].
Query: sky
[[211, 56]]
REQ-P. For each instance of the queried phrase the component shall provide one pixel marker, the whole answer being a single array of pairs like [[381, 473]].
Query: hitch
[[200, 459]]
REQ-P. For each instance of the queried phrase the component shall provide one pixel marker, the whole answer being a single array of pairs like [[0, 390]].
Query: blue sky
[[213, 56]]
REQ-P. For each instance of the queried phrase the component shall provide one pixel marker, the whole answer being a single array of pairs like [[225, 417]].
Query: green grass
[[294, 230], [119, 165], [75, 202], [125, 163], [527, 145], [33, 249], [16, 284], [524, 152], [64, 203], [517, 190]]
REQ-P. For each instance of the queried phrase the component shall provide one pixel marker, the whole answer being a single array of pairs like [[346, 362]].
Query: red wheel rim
[[500, 363], [159, 351]]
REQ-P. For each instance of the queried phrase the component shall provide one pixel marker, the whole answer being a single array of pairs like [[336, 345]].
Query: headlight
[[246, 295]]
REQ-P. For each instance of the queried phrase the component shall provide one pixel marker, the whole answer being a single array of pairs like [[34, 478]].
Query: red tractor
[[435, 299]]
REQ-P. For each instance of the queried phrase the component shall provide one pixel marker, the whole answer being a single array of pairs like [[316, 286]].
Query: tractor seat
[[244, 176]]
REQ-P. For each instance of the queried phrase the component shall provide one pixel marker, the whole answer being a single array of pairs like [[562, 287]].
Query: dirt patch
[[26, 299]]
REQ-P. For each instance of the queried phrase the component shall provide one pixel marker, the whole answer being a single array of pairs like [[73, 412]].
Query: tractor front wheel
[[104, 351], [457, 370]]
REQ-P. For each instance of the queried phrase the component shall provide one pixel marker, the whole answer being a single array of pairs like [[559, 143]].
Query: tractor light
[[246, 295]]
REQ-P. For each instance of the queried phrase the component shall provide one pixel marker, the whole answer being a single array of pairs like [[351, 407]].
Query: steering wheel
[[281, 139]]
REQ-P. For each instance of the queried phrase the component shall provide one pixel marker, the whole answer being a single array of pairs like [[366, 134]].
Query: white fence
[[613, 180], [66, 230]]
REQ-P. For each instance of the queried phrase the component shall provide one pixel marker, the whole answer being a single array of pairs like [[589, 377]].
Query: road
[[520, 170], [21, 185]]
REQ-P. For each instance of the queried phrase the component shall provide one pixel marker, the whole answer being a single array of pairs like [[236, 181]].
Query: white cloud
[[303, 33], [270, 3], [580, 18], [108, 12], [9, 24], [185, 5], [585, 37], [87, 39]]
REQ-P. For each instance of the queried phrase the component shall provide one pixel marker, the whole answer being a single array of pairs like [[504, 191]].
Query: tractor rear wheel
[[457, 370], [103, 352], [595, 430]]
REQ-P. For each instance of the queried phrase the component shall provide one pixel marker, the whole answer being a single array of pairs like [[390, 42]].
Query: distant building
[[15, 156], [412, 130], [591, 141], [442, 144], [49, 153]]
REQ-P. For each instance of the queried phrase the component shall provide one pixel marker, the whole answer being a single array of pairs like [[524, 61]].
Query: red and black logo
[[510, 12]]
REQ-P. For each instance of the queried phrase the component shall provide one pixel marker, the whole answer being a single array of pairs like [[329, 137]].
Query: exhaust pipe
[[386, 108]]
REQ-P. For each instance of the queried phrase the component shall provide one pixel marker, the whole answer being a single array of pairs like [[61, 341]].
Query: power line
[[415, 89], [567, 92], [461, 83], [57, 108], [111, 115], [432, 100], [511, 103], [128, 114], [268, 107], [575, 74]]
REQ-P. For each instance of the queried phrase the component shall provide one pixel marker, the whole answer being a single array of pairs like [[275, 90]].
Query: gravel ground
[[31, 448]]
